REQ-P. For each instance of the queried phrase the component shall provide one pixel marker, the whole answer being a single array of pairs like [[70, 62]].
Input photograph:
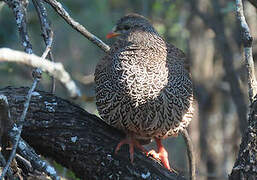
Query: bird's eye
[[126, 27]]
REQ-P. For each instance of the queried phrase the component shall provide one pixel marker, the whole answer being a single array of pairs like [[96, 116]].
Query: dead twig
[[190, 154], [5, 120], [27, 152], [2, 164], [19, 10], [55, 69], [74, 24], [43, 166], [47, 32], [16, 131]]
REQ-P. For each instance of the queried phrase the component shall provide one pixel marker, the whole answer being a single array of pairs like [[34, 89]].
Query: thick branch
[[54, 69], [74, 24], [80, 141], [247, 40], [245, 166]]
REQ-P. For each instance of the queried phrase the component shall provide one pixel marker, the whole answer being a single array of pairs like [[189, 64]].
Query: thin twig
[[3, 163], [5, 120], [47, 50], [47, 32], [74, 24], [25, 162], [26, 151], [23, 148], [190, 154], [19, 11], [55, 69], [17, 130], [247, 41]]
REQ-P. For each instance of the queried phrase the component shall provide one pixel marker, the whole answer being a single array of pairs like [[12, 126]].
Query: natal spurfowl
[[143, 86]]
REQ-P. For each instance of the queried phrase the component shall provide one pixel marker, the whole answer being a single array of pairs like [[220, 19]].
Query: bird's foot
[[132, 142], [154, 154], [162, 154]]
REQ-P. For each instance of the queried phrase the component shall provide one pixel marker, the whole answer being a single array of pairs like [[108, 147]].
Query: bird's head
[[130, 23]]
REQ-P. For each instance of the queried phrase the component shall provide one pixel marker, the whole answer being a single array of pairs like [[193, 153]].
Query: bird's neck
[[146, 39]]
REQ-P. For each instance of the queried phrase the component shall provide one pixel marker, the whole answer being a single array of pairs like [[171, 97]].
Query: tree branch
[[227, 58], [46, 30], [246, 163], [5, 124], [245, 166], [16, 131], [54, 69], [43, 166], [74, 24], [79, 140], [22, 147], [247, 41], [19, 11]]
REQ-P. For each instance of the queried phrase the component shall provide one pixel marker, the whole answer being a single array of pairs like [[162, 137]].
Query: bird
[[144, 86]]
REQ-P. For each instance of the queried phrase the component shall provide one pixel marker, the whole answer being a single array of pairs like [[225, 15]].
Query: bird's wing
[[119, 49], [178, 55], [103, 64]]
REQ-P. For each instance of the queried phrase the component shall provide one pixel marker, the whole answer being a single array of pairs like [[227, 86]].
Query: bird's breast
[[141, 81], [148, 98]]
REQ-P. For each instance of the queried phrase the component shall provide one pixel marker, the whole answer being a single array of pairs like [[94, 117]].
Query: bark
[[80, 141], [246, 164]]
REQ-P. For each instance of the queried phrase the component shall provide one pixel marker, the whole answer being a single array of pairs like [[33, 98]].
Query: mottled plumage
[[143, 86]]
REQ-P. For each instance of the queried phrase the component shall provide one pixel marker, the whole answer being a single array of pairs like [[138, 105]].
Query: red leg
[[131, 141], [161, 154]]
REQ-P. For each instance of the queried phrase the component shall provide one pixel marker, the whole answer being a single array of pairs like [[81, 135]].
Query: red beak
[[112, 34]]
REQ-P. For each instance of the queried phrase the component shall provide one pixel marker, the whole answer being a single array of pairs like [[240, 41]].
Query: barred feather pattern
[[143, 87]]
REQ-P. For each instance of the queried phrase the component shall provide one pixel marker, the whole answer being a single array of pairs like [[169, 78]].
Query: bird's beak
[[112, 34]]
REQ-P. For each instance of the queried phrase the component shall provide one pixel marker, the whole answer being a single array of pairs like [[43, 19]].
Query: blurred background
[[207, 31]]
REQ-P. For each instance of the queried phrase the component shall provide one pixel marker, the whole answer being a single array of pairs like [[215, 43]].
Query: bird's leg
[[132, 142], [161, 154]]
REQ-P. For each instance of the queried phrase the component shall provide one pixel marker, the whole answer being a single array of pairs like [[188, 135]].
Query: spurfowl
[[143, 86]]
